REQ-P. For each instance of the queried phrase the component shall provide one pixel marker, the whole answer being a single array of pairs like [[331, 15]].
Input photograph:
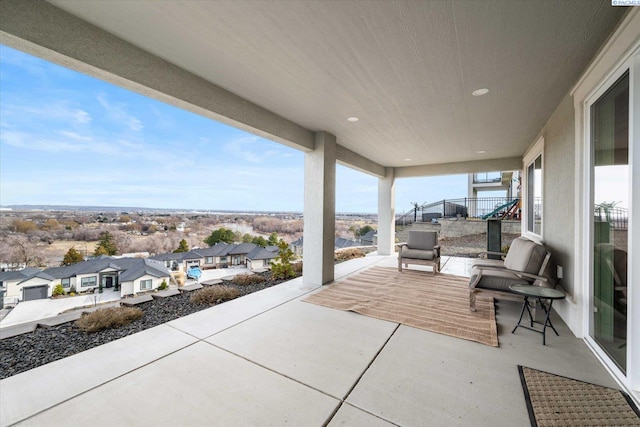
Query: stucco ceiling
[[405, 69]]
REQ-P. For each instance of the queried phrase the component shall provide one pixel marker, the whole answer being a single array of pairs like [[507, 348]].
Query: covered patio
[[269, 359], [395, 90]]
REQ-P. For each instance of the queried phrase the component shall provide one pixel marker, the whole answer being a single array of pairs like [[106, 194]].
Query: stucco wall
[[559, 202]]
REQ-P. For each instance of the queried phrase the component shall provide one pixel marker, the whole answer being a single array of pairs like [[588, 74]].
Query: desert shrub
[[163, 285], [214, 295], [58, 290], [181, 277], [347, 254], [505, 249], [106, 318], [247, 279], [297, 267]]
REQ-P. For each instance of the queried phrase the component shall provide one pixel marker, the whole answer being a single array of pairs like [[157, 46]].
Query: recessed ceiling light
[[480, 92], [407, 160], [352, 119], [481, 152]]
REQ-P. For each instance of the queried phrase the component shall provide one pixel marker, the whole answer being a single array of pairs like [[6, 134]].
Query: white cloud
[[118, 113]]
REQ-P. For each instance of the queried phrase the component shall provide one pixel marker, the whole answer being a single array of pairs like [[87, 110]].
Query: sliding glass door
[[610, 217]]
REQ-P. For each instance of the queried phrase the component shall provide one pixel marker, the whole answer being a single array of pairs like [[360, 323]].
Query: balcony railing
[[618, 218], [478, 208]]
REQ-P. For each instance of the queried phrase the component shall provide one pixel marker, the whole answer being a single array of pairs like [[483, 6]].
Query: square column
[[387, 213], [319, 210]]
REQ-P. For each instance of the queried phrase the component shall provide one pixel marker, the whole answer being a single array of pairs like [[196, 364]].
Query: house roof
[[369, 235], [242, 249], [140, 267], [129, 268], [261, 253], [169, 256], [341, 243], [18, 274]]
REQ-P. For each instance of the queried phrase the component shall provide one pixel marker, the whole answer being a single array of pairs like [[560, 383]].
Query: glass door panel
[[610, 207]]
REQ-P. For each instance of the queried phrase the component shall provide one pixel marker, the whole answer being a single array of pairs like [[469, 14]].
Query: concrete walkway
[[270, 359]]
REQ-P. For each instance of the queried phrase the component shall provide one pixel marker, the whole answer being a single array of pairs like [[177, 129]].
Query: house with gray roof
[[220, 255], [128, 276], [260, 258], [24, 285]]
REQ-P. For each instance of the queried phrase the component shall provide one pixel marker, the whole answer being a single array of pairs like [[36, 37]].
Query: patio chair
[[421, 248], [526, 263]]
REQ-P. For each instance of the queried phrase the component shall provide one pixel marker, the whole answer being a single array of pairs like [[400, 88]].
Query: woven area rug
[[553, 400], [415, 298]]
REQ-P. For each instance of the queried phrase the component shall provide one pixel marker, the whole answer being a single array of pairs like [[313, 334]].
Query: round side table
[[541, 294]]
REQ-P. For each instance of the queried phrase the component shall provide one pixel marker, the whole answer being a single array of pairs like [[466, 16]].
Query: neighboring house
[[25, 285], [260, 258], [125, 275], [296, 246], [368, 238], [339, 243], [220, 255]]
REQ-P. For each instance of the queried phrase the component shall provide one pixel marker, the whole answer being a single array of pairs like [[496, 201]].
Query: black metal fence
[[618, 218], [471, 208]]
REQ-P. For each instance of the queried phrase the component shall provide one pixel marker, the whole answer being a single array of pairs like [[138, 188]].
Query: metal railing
[[487, 177], [471, 208], [618, 218]]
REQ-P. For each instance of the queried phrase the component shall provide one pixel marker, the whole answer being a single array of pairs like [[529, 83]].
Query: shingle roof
[[243, 248], [18, 274], [169, 256], [341, 242], [130, 268], [261, 253], [141, 267]]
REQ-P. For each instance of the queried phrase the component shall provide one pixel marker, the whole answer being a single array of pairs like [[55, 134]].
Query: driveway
[[28, 311]]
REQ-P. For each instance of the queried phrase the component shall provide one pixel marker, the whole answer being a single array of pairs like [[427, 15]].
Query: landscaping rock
[[19, 353]]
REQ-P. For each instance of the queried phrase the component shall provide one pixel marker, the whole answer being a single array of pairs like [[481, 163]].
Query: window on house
[[209, 260], [145, 284], [87, 282], [66, 283], [533, 190]]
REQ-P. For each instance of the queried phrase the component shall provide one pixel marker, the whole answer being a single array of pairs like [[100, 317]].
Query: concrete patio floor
[[270, 359]]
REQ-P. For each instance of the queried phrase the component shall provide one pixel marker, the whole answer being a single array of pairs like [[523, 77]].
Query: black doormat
[[553, 400]]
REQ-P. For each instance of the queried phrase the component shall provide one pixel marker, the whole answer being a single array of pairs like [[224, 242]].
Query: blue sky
[[69, 139]]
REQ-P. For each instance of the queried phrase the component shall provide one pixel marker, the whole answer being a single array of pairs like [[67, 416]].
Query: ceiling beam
[[488, 165], [45, 31], [353, 160]]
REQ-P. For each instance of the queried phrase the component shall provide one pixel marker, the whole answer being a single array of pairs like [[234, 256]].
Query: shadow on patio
[[269, 359]]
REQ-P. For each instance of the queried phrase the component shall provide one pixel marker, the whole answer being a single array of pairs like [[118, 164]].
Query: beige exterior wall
[[559, 204]]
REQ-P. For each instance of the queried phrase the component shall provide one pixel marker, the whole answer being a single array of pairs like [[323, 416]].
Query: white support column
[[319, 210], [387, 213]]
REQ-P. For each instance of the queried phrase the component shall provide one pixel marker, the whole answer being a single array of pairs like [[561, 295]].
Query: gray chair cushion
[[417, 254], [525, 255], [498, 280], [422, 240]]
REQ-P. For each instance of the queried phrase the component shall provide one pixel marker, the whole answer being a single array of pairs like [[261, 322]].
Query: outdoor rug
[[553, 400], [415, 298]]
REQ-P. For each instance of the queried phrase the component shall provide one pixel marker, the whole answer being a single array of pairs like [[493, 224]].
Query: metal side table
[[541, 294]]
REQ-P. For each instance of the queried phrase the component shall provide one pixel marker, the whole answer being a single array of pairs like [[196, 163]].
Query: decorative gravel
[[45, 345]]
